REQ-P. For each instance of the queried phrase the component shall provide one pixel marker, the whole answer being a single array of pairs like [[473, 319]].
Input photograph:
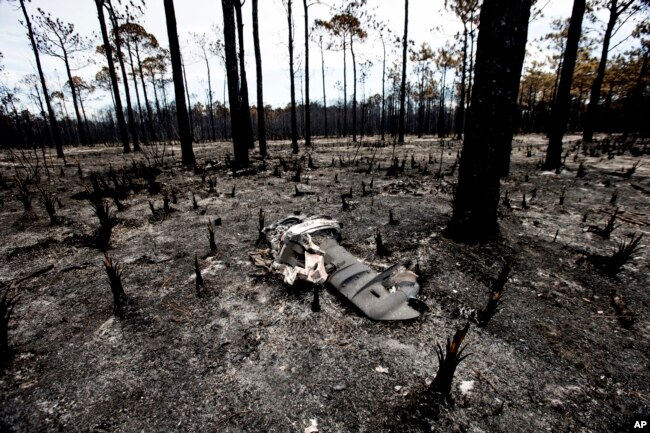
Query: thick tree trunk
[[307, 102], [562, 105], [261, 118], [240, 147], [187, 152], [489, 127], [402, 92], [54, 124], [245, 104], [133, 129], [108, 50], [294, 121]]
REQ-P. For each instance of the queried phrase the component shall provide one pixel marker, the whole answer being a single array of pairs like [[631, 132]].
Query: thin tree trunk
[[261, 118], [322, 66], [240, 148], [383, 93], [294, 121], [489, 128], [75, 103], [345, 88], [354, 91], [402, 93], [187, 152], [127, 93], [561, 108], [108, 50], [213, 131], [307, 102], [152, 132], [592, 109], [460, 111], [137, 92], [54, 124]]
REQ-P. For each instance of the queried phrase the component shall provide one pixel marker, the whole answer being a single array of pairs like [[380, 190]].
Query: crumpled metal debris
[[307, 248]]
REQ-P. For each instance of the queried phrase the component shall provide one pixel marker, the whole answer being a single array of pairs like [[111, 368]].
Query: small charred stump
[[524, 203], [391, 219], [506, 200], [315, 304], [382, 251], [7, 304], [115, 278], [440, 388], [582, 172], [213, 245], [200, 287], [195, 204], [625, 316], [606, 231], [496, 294]]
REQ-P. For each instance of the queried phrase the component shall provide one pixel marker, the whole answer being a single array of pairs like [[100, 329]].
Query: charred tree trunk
[[402, 91], [240, 147], [490, 120], [560, 112], [187, 152], [137, 92], [75, 102], [294, 121], [119, 112], [247, 126], [261, 118]]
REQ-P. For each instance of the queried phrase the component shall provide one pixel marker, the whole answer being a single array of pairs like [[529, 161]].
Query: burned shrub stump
[[448, 360]]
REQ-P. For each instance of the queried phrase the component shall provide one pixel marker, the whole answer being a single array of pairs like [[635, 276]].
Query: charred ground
[[250, 355]]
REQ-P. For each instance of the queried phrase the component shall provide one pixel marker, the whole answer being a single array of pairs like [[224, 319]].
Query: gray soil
[[251, 356]]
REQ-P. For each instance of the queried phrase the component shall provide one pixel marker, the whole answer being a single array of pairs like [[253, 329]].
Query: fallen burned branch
[[447, 363]]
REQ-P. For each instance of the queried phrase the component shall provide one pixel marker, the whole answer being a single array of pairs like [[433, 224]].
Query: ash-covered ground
[[250, 355]]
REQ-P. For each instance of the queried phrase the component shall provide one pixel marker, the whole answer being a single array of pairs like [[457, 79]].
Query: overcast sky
[[428, 23]]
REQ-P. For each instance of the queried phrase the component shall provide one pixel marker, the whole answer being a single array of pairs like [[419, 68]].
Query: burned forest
[[285, 216]]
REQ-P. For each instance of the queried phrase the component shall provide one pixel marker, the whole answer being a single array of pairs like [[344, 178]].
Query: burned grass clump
[[114, 273], [49, 202], [606, 231], [448, 360], [625, 252], [102, 235], [496, 294]]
